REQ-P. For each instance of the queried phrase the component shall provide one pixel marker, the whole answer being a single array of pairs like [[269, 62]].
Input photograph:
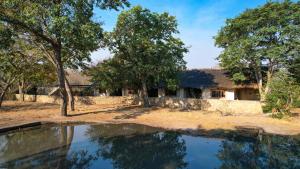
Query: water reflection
[[41, 148], [144, 151], [268, 152], [26, 149], [130, 146]]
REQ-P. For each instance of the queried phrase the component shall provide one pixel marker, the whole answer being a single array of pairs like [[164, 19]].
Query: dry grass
[[17, 112]]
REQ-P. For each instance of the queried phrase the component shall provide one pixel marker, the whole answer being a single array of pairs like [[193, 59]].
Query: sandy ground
[[13, 113]]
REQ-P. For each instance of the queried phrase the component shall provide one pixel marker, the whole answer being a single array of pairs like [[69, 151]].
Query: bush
[[284, 95], [296, 103]]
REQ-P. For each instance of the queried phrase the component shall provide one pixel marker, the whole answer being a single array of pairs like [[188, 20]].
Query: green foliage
[[63, 29], [294, 67], [20, 61], [260, 41], [284, 94], [107, 75], [67, 24], [144, 45]]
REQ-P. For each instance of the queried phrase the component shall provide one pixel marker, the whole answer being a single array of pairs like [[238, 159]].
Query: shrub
[[284, 95]]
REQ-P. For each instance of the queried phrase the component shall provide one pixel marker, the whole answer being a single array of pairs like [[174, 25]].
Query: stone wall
[[235, 107], [86, 100]]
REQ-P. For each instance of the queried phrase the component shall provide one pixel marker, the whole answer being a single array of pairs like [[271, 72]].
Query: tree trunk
[[21, 90], [260, 88], [3, 94], [259, 81], [269, 79], [2, 97], [62, 147], [70, 95], [61, 81], [145, 94], [70, 135], [66, 138]]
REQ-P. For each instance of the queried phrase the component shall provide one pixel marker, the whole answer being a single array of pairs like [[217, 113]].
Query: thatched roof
[[208, 78], [76, 78]]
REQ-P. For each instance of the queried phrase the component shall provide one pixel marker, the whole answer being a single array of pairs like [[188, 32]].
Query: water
[[130, 146]]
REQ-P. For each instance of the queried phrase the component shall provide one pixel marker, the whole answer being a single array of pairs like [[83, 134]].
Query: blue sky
[[198, 22]]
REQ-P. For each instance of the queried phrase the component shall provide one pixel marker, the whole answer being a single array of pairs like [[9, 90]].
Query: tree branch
[[37, 33]]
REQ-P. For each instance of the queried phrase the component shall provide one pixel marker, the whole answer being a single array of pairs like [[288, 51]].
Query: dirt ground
[[13, 113]]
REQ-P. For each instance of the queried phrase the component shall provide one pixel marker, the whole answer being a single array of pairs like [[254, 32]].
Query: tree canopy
[[294, 67], [108, 75], [63, 29], [146, 48], [20, 61], [260, 40]]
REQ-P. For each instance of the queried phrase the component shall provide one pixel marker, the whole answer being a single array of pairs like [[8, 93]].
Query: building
[[196, 83], [211, 84], [81, 85]]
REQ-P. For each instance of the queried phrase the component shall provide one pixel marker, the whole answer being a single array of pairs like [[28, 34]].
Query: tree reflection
[[127, 146], [42, 148], [270, 152], [131, 146], [144, 151]]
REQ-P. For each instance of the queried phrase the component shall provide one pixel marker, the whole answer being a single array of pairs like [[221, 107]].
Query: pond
[[131, 146]]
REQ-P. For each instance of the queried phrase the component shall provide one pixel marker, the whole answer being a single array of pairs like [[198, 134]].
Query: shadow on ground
[[127, 112], [23, 107]]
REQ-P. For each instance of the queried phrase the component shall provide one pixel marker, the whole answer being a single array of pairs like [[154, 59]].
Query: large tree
[[64, 29], [20, 62], [144, 45], [261, 41]]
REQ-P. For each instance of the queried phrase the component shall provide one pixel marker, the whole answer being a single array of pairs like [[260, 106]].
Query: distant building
[[196, 83], [209, 84], [81, 85], [213, 84]]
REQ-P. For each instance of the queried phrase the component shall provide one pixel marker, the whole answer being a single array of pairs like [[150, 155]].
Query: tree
[[109, 75], [7, 75], [144, 45], [64, 29], [18, 66], [20, 62], [294, 67], [260, 40], [284, 93], [6, 69]]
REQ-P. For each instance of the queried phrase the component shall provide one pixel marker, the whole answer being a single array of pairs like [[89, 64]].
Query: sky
[[198, 22]]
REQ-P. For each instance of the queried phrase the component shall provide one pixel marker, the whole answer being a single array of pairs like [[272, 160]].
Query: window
[[217, 93], [193, 93]]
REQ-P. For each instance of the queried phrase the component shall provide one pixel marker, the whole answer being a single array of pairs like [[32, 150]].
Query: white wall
[[229, 95], [206, 94]]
